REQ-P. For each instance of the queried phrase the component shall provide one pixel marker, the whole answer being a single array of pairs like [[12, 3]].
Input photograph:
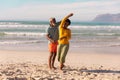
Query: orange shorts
[[53, 47]]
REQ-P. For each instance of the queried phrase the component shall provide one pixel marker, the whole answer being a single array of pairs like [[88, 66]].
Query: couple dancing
[[58, 40]]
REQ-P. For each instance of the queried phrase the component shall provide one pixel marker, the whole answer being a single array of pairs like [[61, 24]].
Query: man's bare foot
[[50, 67]]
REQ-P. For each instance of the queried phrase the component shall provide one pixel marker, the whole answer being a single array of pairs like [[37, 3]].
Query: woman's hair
[[68, 21]]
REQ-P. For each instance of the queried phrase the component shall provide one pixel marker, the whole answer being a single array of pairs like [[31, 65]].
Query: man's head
[[52, 21]]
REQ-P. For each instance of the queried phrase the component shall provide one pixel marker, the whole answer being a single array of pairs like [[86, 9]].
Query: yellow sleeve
[[63, 22]]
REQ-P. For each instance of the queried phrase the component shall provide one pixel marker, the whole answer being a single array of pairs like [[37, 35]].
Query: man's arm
[[57, 24], [47, 35], [51, 40]]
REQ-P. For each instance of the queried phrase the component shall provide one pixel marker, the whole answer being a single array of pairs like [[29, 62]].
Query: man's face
[[52, 21]]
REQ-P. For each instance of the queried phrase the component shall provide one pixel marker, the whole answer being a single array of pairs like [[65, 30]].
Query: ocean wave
[[22, 26], [43, 34], [96, 44], [95, 27], [22, 34], [19, 25], [2, 34], [114, 45], [74, 34], [9, 23], [108, 34], [95, 34], [13, 42]]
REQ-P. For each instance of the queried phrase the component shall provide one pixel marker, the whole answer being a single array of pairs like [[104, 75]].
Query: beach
[[89, 28], [84, 64]]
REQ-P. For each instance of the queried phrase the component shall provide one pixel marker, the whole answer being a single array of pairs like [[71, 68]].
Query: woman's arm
[[65, 18]]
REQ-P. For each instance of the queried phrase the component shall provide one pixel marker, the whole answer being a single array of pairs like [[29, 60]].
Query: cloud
[[82, 10]]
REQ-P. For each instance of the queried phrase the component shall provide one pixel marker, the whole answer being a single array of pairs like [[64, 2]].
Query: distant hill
[[115, 18]]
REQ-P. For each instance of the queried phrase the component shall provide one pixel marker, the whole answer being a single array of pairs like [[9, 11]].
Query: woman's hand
[[62, 38]]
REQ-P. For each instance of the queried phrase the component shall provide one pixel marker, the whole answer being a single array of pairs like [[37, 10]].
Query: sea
[[25, 34]]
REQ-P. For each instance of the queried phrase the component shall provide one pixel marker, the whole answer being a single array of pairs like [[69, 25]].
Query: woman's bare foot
[[54, 67], [61, 66]]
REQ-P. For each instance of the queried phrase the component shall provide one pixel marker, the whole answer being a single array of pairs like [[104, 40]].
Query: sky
[[42, 10]]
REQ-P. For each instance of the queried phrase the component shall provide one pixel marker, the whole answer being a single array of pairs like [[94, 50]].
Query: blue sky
[[84, 10]]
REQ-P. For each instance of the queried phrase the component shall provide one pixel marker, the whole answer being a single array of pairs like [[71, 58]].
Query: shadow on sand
[[101, 71], [93, 71]]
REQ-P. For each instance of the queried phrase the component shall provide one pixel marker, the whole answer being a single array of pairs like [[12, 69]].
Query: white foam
[[95, 27], [105, 34], [22, 26], [9, 23], [25, 33], [20, 42]]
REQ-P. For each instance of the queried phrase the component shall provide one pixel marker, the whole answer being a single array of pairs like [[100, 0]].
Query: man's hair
[[68, 21], [52, 18]]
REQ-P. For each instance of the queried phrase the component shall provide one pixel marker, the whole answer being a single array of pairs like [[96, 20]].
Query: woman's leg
[[59, 49], [64, 52]]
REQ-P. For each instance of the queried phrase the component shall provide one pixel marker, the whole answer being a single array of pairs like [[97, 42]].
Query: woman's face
[[66, 24]]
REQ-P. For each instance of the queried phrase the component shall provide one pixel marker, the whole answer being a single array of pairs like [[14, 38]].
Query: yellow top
[[64, 33]]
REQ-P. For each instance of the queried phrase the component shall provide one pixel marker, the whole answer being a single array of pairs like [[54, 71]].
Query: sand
[[32, 65]]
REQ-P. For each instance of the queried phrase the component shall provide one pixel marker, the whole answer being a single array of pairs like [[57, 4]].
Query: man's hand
[[52, 41]]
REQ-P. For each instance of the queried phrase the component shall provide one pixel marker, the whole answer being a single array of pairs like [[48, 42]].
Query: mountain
[[114, 18]]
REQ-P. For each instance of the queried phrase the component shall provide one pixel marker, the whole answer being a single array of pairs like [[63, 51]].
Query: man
[[52, 35]]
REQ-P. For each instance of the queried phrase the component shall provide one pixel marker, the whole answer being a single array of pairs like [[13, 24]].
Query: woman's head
[[67, 23]]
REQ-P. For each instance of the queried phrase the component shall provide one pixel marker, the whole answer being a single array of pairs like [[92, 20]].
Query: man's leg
[[50, 59], [53, 60]]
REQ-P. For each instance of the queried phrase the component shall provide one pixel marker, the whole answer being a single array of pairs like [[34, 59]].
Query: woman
[[64, 37]]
